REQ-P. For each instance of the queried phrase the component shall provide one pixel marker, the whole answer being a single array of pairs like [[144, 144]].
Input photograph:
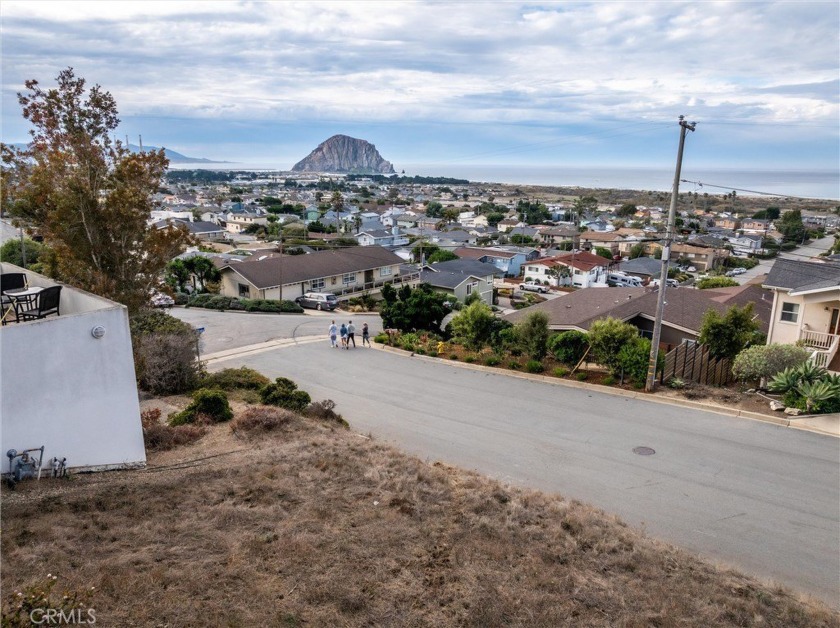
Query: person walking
[[365, 335], [343, 333], [351, 334], [333, 333]]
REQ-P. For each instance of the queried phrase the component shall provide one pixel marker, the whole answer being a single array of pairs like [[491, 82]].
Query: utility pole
[[666, 256]]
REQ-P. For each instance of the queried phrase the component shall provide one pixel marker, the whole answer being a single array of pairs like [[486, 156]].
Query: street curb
[[608, 390]]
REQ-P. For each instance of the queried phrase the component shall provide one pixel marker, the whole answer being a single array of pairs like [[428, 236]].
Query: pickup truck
[[533, 287]]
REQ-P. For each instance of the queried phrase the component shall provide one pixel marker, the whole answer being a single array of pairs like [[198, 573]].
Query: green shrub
[[569, 346], [474, 325], [454, 356], [165, 352], [381, 338], [609, 380], [210, 403], [325, 411], [764, 361], [469, 359], [606, 337], [222, 303], [420, 351], [676, 383], [581, 375], [235, 379], [634, 359], [534, 366], [532, 333], [492, 361], [514, 366], [284, 393], [715, 282], [560, 371], [181, 298]]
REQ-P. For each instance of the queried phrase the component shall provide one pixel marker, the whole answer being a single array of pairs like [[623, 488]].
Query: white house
[[381, 237], [580, 270], [68, 383]]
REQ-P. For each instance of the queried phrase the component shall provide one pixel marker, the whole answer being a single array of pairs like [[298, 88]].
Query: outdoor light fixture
[[97, 332]]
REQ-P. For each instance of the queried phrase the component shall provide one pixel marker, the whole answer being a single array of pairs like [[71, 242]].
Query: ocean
[[819, 184]]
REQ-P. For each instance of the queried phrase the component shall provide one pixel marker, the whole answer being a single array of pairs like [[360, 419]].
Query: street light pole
[[666, 256]]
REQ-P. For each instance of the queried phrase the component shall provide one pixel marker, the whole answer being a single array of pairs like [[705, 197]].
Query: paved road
[[762, 498], [803, 253]]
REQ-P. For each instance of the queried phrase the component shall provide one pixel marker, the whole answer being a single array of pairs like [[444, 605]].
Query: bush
[[261, 419], [569, 346], [492, 361], [165, 352], [606, 337], [513, 366], [609, 380], [325, 411], [728, 334], [158, 436], [532, 333], [534, 366], [222, 303], [764, 361], [469, 359], [381, 338], [581, 375], [235, 379], [676, 383], [454, 356], [181, 298], [284, 393], [634, 359], [715, 282], [210, 403], [474, 325], [560, 371]]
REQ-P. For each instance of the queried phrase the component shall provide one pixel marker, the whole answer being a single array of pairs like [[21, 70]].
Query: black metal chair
[[10, 281], [46, 303]]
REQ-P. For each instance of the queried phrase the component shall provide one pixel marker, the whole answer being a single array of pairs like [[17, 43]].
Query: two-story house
[[581, 270]]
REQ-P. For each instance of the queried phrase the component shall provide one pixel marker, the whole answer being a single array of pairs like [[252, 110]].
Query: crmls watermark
[[58, 617]]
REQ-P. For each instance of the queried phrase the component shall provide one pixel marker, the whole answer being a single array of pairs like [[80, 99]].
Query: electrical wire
[[776, 194]]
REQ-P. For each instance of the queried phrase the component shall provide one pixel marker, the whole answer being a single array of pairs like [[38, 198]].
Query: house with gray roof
[[806, 307], [462, 278], [345, 272]]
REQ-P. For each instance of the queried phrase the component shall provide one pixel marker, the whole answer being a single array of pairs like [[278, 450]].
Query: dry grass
[[312, 524]]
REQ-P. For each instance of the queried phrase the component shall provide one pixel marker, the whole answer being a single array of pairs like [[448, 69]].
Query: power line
[[776, 194]]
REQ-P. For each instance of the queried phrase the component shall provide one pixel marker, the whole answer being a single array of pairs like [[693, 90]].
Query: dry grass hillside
[[311, 524]]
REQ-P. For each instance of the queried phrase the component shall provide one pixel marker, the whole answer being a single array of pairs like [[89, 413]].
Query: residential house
[[381, 237], [746, 244], [806, 307], [509, 262], [756, 225], [509, 223], [68, 383], [645, 268], [608, 240], [470, 219], [682, 316], [702, 258], [727, 222], [344, 272], [237, 222], [561, 235], [581, 270], [462, 278]]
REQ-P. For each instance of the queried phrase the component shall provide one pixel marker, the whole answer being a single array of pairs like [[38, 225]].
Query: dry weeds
[[313, 524]]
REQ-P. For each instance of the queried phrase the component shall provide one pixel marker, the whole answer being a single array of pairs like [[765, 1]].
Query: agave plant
[[816, 393], [810, 372], [785, 381]]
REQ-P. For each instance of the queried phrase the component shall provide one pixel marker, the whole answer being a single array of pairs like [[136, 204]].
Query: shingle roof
[[267, 273], [477, 253], [445, 279], [798, 276], [467, 267], [643, 266]]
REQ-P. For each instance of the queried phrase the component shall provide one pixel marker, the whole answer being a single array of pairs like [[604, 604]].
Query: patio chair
[[46, 303], [10, 281]]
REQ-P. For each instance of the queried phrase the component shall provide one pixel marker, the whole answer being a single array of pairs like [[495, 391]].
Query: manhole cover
[[644, 451]]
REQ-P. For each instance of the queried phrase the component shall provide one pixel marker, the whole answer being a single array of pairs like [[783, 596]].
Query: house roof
[[643, 266], [445, 279], [800, 277], [478, 253], [601, 236], [267, 272], [466, 267], [684, 308]]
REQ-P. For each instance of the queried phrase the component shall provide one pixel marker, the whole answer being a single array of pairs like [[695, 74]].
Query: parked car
[[318, 301], [533, 287]]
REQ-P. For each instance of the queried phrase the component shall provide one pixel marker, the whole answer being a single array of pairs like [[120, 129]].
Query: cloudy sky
[[442, 82]]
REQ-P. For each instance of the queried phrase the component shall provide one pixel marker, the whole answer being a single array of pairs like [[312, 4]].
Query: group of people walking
[[347, 334]]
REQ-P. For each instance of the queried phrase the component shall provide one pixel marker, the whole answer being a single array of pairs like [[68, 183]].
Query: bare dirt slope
[[312, 524]]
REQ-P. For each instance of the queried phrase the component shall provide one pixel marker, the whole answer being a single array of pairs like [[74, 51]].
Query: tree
[[434, 209], [474, 325], [606, 337], [558, 272], [412, 309], [603, 252], [88, 195], [637, 250], [791, 227], [728, 334], [36, 254], [585, 204], [177, 274], [337, 202], [626, 210], [494, 218], [532, 333], [441, 255], [203, 269]]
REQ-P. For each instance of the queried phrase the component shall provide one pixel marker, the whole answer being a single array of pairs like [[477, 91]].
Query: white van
[[624, 281]]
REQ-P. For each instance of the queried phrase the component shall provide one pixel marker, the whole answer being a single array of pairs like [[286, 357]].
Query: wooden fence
[[693, 363]]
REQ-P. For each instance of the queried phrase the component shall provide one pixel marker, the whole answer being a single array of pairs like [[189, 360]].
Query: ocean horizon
[[817, 184]]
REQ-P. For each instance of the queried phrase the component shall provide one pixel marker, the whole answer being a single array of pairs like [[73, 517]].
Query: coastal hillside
[[342, 153], [281, 520]]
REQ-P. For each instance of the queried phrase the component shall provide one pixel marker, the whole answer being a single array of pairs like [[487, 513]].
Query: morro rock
[[341, 153]]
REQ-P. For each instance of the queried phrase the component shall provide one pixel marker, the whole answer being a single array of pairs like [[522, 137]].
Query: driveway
[[762, 498]]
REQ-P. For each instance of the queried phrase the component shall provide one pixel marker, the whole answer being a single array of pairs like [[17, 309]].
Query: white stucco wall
[[62, 388]]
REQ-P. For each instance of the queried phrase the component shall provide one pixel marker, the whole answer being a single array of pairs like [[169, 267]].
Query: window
[[316, 284], [244, 291], [348, 278], [470, 287], [385, 271], [790, 312]]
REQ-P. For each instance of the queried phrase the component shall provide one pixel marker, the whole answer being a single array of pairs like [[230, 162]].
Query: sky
[[568, 83]]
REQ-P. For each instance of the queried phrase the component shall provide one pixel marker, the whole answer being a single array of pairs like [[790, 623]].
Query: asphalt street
[[762, 498]]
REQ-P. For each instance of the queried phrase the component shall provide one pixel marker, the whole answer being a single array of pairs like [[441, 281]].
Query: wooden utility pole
[[650, 384]]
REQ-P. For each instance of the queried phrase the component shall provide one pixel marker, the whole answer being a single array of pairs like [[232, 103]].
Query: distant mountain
[[176, 158], [341, 153]]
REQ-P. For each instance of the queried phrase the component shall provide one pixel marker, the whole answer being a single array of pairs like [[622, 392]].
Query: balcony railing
[[357, 289], [824, 345]]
